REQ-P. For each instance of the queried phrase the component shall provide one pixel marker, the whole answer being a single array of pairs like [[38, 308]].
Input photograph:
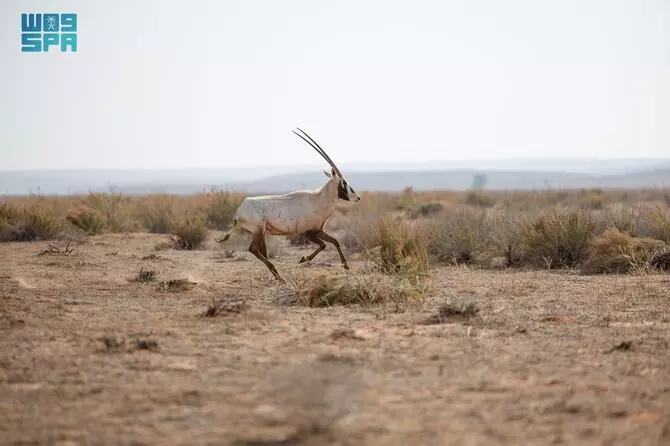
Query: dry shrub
[[116, 208], [595, 199], [618, 252], [428, 209], [145, 275], [659, 220], [396, 246], [90, 221], [480, 199], [452, 312], [624, 220], [372, 288], [159, 214], [460, 236], [557, 238], [9, 215], [221, 209], [175, 285], [189, 232], [37, 220], [504, 238], [661, 261]]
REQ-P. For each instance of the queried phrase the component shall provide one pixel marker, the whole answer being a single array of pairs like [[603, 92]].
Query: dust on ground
[[198, 353]]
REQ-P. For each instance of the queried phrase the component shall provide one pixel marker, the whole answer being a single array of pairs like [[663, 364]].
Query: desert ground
[[93, 352]]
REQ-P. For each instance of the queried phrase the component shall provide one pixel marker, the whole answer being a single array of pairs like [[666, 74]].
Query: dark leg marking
[[257, 240], [311, 236], [264, 248], [327, 238]]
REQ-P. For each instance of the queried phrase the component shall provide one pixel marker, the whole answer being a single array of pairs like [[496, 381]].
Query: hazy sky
[[223, 83]]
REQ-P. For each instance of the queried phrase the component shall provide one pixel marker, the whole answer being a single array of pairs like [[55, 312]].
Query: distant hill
[[463, 179], [591, 173]]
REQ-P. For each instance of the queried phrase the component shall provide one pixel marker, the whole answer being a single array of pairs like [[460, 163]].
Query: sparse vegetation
[[88, 220], [557, 238], [395, 245], [159, 214], [402, 233], [453, 312], [145, 275], [176, 285], [189, 232], [619, 252], [338, 288]]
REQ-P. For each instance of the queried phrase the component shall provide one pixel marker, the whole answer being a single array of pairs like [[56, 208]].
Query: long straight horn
[[319, 150]]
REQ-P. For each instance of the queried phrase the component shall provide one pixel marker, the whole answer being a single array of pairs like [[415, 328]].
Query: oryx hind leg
[[311, 236], [330, 239], [257, 246]]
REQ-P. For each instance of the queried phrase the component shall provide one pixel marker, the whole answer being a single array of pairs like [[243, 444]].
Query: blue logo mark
[[41, 31]]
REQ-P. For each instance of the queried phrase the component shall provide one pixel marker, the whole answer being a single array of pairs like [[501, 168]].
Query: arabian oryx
[[303, 212]]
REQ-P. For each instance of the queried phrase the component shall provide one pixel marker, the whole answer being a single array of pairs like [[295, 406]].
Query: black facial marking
[[342, 191]]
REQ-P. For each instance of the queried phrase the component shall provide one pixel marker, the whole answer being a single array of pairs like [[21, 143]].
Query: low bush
[[556, 238], [619, 252], [189, 232]]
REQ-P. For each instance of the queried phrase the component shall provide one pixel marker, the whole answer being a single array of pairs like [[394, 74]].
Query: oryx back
[[288, 214]]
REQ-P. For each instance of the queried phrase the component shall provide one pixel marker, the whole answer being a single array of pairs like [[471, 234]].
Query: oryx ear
[[327, 174], [332, 172]]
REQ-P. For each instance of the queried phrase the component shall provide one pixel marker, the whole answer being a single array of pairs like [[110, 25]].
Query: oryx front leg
[[259, 249], [311, 236], [325, 237]]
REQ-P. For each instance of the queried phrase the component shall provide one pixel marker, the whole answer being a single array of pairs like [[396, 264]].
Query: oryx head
[[344, 190]]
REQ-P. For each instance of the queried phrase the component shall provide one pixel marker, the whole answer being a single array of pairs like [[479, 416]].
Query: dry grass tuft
[[189, 232], [159, 214], [116, 209], [459, 237], [176, 285], [619, 252], [53, 249], [557, 238], [396, 246], [88, 220], [144, 276], [36, 220], [324, 289], [225, 307], [660, 223], [661, 261], [117, 344], [450, 312], [221, 208]]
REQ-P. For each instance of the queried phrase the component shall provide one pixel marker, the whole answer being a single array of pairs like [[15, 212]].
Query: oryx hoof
[[303, 260], [345, 266]]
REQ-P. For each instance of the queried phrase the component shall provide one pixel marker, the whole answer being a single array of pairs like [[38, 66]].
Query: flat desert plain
[[90, 356]]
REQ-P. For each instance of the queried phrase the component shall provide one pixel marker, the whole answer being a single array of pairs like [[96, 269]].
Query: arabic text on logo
[[39, 32]]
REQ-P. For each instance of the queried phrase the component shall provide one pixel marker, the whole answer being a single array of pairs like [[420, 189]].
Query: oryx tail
[[229, 233]]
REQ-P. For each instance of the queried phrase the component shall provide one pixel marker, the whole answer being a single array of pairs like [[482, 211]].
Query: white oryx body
[[303, 212], [289, 214]]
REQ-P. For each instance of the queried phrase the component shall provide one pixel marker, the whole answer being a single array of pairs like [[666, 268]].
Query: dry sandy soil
[[89, 357]]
